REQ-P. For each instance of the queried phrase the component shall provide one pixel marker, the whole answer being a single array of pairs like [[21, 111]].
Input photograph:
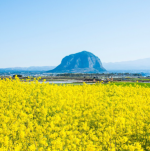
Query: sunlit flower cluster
[[48, 117]]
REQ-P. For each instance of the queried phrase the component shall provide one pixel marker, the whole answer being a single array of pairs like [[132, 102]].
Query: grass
[[138, 79], [131, 83]]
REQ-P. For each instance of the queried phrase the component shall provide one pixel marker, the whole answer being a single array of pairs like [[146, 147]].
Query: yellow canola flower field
[[46, 117]]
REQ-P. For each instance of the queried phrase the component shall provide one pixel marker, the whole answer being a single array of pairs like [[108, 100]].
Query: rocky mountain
[[140, 64], [82, 62]]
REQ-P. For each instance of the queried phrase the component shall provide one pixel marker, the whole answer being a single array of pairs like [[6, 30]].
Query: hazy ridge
[[32, 68], [140, 64]]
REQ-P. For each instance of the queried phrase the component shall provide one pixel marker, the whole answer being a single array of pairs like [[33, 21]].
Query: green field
[[138, 79], [131, 83]]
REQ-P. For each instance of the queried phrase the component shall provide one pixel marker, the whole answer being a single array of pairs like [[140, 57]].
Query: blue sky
[[42, 32]]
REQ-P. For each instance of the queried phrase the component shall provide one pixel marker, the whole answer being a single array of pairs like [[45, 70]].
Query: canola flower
[[46, 117]]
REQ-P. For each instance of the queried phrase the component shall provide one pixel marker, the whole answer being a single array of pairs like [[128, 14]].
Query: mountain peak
[[81, 62]]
